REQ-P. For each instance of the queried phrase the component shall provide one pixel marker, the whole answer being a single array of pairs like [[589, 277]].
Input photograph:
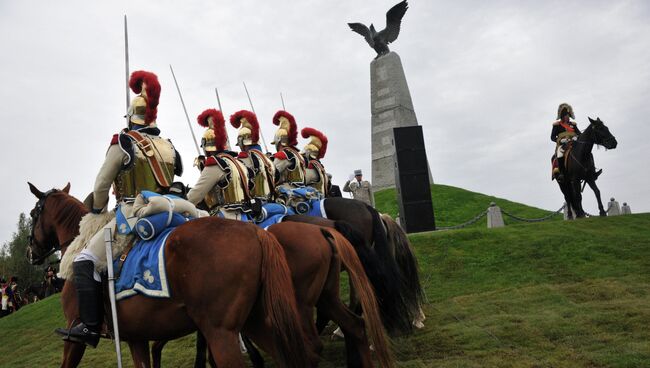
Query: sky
[[486, 79]]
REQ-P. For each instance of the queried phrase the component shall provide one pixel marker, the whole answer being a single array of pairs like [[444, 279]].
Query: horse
[[253, 275], [580, 166], [315, 255], [388, 240]]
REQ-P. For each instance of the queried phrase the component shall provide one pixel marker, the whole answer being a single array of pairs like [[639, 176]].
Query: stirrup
[[89, 337], [597, 174]]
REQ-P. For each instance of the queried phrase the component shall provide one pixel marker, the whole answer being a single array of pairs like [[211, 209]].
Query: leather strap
[[148, 149], [235, 163], [267, 168], [123, 256]]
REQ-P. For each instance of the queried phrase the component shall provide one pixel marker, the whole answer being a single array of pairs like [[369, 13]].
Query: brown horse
[[315, 256], [252, 275]]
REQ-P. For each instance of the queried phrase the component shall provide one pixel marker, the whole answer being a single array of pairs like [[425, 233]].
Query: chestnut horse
[[252, 275], [315, 256]]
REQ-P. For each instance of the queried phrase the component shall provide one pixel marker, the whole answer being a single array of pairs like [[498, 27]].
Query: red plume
[[153, 92], [293, 128], [307, 132], [252, 119], [219, 126]]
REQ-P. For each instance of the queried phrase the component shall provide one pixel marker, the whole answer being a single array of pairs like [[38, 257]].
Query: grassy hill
[[455, 206], [552, 294]]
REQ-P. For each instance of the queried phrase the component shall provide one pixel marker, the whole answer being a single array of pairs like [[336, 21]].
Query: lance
[[216, 91], [108, 242], [282, 98], [126, 69], [198, 151], [253, 108]]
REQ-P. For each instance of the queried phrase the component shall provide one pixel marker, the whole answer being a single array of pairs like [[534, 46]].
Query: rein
[[36, 214]]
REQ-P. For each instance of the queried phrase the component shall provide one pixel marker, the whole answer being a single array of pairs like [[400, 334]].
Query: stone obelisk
[[391, 107]]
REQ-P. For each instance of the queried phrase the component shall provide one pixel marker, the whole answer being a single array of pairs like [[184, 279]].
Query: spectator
[[334, 190], [361, 189]]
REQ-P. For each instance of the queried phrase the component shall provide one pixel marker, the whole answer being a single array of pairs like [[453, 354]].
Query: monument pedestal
[[391, 107]]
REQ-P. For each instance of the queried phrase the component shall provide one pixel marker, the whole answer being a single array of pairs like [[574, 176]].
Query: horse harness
[[35, 215]]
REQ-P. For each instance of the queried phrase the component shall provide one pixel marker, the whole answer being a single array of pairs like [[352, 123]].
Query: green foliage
[[13, 260], [553, 294], [454, 206]]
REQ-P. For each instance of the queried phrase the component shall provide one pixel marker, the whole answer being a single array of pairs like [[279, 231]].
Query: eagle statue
[[380, 40]]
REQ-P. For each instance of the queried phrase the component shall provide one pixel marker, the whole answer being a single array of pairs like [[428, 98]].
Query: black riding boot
[[88, 297]]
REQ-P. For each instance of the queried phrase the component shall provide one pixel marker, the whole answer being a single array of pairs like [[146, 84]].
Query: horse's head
[[43, 240], [602, 135]]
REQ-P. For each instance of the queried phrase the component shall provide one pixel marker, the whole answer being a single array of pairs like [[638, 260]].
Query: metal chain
[[535, 219], [609, 207], [464, 224]]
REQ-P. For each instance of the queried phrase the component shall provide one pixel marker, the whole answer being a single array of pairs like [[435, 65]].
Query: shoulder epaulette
[[281, 156], [115, 139], [211, 161], [242, 155]]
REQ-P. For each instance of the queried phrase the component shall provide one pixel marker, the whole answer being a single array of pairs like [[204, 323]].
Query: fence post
[[494, 216], [614, 208], [626, 210]]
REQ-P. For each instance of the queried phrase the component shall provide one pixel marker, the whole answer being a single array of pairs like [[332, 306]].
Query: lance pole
[[253, 108], [216, 91], [198, 151], [108, 242], [126, 69], [282, 98]]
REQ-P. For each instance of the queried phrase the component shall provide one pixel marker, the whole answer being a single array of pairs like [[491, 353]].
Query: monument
[[391, 104]]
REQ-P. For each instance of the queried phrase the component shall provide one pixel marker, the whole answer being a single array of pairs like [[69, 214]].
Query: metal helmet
[[248, 125], [214, 138], [287, 133], [317, 145], [144, 107]]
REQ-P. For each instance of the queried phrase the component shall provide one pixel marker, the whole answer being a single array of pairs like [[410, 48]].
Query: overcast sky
[[486, 78]]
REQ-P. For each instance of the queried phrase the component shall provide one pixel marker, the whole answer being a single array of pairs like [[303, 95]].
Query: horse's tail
[[366, 296], [394, 312], [407, 263], [279, 303], [385, 250]]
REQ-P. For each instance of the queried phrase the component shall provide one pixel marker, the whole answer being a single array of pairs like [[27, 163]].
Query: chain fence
[[517, 218], [464, 224]]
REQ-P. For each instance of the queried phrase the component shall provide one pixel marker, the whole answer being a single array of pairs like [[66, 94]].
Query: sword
[[282, 98], [108, 241], [126, 64], [198, 151], [253, 108]]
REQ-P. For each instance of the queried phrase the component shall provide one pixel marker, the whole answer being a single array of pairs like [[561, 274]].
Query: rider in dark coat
[[564, 131]]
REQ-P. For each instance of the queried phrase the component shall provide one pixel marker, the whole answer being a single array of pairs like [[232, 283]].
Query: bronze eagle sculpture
[[380, 40]]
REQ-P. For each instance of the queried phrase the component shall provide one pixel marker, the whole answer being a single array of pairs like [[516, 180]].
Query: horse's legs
[[72, 354], [201, 349], [140, 353], [594, 187], [224, 347], [353, 326], [156, 352], [253, 353], [577, 198]]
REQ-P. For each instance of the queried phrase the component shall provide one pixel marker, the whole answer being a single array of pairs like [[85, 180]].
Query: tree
[[13, 258]]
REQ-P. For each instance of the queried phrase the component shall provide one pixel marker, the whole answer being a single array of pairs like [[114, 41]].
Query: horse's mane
[[69, 210]]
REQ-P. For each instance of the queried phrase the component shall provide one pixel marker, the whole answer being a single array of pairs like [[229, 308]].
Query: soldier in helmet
[[564, 132], [137, 159], [259, 165], [223, 184], [315, 174], [289, 163]]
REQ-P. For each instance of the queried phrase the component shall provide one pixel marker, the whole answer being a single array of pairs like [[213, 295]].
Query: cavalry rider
[[289, 163], [315, 175], [564, 132], [259, 165], [223, 184], [137, 159]]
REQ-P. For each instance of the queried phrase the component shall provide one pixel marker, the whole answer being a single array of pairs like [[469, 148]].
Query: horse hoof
[[337, 334], [603, 214]]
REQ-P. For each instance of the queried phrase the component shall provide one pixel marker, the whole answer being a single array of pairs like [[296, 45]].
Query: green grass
[[453, 206], [553, 294]]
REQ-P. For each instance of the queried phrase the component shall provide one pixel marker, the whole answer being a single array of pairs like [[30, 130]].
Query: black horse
[[580, 166]]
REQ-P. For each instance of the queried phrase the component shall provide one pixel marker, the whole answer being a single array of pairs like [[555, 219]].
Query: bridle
[[36, 214]]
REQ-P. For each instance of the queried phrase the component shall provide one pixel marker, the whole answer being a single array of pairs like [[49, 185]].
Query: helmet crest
[[311, 132], [293, 127], [235, 121], [218, 127], [152, 91]]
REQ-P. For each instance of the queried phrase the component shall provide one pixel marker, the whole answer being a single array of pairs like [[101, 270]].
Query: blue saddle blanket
[[143, 271]]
